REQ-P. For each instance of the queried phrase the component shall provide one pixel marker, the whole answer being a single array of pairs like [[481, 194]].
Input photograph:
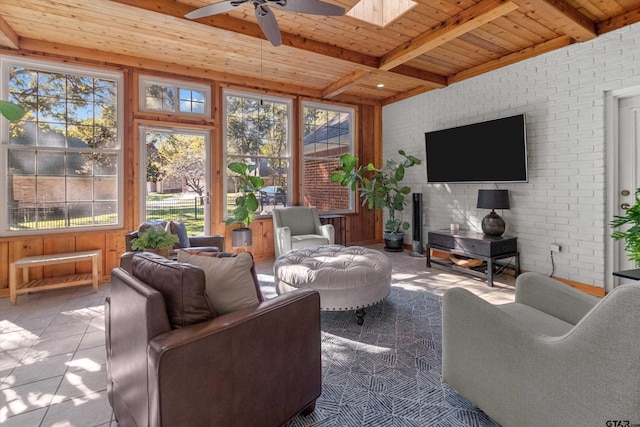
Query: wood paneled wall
[[363, 227]]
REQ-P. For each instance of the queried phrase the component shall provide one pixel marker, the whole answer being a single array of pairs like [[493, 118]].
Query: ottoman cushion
[[347, 278]]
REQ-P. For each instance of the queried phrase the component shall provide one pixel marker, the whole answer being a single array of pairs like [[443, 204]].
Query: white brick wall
[[562, 95]]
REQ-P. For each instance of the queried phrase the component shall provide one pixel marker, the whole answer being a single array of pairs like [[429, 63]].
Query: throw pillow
[[229, 279], [183, 287], [179, 229]]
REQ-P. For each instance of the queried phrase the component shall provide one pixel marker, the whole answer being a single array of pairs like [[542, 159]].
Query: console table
[[339, 223], [473, 245]]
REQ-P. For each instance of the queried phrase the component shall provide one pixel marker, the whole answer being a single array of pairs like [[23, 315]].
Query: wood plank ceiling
[[434, 44]]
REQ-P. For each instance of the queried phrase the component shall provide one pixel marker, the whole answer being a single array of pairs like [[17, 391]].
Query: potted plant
[[380, 188], [154, 240], [246, 204], [631, 235]]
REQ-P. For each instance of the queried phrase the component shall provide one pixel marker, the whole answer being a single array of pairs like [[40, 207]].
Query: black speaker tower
[[418, 243]]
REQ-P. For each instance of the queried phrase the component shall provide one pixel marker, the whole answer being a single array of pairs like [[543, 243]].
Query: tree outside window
[[257, 132], [64, 154]]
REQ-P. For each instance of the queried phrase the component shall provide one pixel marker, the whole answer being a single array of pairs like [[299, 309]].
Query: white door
[[628, 176], [176, 183]]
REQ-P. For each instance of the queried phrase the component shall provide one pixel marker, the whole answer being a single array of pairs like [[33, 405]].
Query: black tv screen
[[490, 151]]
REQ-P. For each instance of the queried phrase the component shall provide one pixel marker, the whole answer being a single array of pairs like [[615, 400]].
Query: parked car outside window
[[273, 195]]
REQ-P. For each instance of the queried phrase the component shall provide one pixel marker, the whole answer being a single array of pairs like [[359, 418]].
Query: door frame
[[612, 155], [141, 128]]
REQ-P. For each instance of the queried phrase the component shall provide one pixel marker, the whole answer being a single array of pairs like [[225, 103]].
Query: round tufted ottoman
[[347, 277]]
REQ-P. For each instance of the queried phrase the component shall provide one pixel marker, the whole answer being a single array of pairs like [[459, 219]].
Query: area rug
[[387, 371]]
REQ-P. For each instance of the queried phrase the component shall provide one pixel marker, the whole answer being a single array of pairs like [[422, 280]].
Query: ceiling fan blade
[[268, 24], [313, 7], [214, 9]]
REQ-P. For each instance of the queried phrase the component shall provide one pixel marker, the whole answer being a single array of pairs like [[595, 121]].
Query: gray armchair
[[210, 243], [298, 227], [554, 357]]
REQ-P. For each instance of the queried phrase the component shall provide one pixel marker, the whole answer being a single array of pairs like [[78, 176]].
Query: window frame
[[144, 79], [352, 143], [225, 172], [8, 61]]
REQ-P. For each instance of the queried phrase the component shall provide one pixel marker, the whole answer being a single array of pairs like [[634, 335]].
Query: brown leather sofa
[[258, 366]]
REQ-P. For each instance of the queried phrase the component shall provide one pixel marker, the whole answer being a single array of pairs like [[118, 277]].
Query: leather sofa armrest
[[216, 240], [273, 347], [553, 297], [125, 261]]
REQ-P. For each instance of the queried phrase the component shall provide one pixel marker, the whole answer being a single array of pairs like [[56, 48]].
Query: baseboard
[[589, 289]]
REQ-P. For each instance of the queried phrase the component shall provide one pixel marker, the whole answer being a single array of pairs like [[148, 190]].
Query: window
[[327, 133], [257, 131], [172, 96], [61, 160]]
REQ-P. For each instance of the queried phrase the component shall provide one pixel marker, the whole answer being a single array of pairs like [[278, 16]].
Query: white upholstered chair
[[554, 357], [298, 227]]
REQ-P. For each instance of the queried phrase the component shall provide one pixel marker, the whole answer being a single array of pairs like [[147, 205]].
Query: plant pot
[[394, 241], [161, 251], [241, 237]]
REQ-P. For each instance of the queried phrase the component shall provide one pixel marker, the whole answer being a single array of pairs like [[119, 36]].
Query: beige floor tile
[[26, 373], [92, 339], [27, 397], [90, 359], [26, 419], [88, 410], [11, 358], [52, 347], [81, 383]]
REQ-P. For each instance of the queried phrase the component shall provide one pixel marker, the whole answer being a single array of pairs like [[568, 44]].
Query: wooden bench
[[56, 282]]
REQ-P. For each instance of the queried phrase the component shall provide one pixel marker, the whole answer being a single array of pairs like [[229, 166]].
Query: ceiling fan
[[266, 18]]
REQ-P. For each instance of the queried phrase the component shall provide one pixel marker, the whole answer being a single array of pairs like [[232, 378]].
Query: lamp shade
[[493, 199]]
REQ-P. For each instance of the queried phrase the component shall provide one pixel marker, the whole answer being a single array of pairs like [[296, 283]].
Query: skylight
[[380, 12]]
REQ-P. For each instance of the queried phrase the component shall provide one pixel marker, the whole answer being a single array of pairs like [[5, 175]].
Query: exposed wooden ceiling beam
[[8, 37], [619, 21], [435, 80], [452, 28], [567, 20], [530, 52], [344, 83], [178, 10]]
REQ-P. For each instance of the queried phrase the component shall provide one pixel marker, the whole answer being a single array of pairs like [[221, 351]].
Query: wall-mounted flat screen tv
[[490, 151]]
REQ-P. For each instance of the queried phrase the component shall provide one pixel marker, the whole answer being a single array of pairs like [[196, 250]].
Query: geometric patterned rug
[[387, 371]]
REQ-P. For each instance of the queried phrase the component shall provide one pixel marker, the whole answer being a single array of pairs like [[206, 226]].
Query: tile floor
[[52, 354]]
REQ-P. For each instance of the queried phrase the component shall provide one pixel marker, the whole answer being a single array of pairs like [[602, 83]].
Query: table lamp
[[493, 224]]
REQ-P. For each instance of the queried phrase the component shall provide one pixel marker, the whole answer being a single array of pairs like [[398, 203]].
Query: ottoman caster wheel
[[360, 313]]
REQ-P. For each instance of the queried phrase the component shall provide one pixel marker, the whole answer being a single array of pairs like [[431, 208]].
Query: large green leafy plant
[[248, 184], [379, 187], [152, 238], [631, 235]]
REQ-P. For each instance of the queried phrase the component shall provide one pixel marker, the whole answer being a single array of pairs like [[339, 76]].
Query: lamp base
[[493, 224]]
